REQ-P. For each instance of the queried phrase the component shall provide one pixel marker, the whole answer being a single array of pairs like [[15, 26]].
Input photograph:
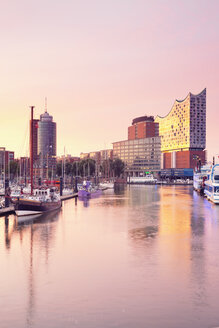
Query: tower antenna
[[45, 104]]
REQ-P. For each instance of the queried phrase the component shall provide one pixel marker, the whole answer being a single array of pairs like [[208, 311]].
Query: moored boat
[[42, 200], [211, 188], [88, 191], [106, 185], [149, 178]]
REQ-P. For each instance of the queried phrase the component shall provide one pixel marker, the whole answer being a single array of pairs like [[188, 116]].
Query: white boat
[[106, 185], [200, 176], [15, 192], [211, 190], [27, 189], [67, 192], [2, 203], [2, 191], [149, 178]]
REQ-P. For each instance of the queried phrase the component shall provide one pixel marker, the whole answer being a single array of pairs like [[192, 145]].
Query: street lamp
[[198, 162]]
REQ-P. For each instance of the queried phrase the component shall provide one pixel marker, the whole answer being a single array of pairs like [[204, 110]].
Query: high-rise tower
[[47, 144]]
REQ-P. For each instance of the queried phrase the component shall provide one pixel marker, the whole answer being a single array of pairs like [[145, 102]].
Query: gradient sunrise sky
[[102, 63]]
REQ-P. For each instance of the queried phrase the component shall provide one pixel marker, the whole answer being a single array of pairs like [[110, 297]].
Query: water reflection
[[198, 263], [85, 201], [143, 233], [10, 226], [142, 256], [182, 241], [119, 189], [35, 239], [31, 299], [179, 218]]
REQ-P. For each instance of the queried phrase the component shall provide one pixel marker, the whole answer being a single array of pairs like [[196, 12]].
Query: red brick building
[[183, 159], [143, 127]]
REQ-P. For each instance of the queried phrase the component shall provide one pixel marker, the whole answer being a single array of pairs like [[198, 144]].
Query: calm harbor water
[[142, 256]]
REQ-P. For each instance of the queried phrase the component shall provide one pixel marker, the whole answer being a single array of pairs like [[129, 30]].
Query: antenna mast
[[45, 104], [31, 149]]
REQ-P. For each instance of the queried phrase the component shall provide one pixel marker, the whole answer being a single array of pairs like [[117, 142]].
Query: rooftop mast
[[31, 149], [45, 104]]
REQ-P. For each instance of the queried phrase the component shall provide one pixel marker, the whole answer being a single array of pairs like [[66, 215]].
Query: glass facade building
[[46, 142], [139, 155], [183, 131]]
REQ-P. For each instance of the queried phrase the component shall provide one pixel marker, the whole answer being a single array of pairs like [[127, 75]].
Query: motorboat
[[211, 185], [67, 192], [149, 178], [88, 191], [106, 185]]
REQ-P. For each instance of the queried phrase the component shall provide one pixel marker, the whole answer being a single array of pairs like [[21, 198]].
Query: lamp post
[[198, 162], [52, 173], [48, 155]]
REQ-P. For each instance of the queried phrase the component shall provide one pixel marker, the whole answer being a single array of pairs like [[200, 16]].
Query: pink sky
[[102, 63]]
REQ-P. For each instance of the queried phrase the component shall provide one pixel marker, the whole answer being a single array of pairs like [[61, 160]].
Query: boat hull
[[89, 194], [27, 213], [214, 198], [25, 207], [83, 193], [28, 218]]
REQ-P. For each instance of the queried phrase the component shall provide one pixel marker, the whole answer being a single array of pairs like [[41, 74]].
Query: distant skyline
[[100, 64]]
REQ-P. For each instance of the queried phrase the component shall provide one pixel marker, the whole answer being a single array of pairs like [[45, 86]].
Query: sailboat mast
[[31, 150], [64, 167]]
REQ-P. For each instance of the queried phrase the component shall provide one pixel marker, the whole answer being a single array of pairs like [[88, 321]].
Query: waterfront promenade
[[139, 256]]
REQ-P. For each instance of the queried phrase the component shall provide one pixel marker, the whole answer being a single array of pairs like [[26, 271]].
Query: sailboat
[[40, 200]]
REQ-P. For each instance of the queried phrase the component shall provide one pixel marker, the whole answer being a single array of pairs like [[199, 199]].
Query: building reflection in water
[[141, 234], [182, 240], [85, 201], [116, 197], [151, 249], [173, 221], [143, 217], [119, 189], [198, 263]]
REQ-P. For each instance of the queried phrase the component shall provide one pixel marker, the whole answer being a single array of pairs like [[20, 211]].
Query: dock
[[65, 197], [7, 210]]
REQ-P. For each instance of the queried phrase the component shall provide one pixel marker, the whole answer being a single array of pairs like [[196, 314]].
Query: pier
[[7, 210], [65, 197]]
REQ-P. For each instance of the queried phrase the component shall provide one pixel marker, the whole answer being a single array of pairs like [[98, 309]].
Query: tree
[[59, 169], [106, 168], [68, 168], [13, 167], [75, 168], [118, 167], [86, 167]]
